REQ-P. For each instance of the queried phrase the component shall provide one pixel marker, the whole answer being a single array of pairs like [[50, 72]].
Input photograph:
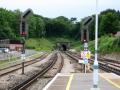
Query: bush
[[39, 44], [106, 44]]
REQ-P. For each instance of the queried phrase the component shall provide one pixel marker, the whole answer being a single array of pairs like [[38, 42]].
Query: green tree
[[109, 23]]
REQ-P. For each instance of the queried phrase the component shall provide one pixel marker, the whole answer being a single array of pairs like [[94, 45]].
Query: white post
[[85, 68], [95, 66], [9, 56]]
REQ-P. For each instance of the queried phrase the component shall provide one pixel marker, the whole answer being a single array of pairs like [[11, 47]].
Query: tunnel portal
[[63, 46]]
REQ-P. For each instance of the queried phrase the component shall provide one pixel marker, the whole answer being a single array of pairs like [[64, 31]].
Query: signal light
[[23, 28], [85, 35]]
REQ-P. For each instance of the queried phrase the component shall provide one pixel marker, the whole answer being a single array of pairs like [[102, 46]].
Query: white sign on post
[[86, 54], [85, 61], [22, 56], [85, 45], [80, 61]]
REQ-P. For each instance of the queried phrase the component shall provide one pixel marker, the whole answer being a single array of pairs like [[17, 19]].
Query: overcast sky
[[54, 8]]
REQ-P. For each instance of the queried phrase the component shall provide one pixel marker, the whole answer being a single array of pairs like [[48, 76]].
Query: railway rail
[[19, 66], [104, 64], [46, 68]]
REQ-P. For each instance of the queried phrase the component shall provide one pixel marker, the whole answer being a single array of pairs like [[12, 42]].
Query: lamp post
[[95, 66]]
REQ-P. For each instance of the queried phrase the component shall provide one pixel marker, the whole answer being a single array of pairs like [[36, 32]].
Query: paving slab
[[85, 82], [82, 81]]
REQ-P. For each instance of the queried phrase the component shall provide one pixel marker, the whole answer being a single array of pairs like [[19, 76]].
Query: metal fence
[[4, 43]]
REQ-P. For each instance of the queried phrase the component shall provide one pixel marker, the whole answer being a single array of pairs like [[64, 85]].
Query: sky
[[55, 8]]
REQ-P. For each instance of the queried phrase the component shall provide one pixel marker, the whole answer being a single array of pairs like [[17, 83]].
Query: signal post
[[85, 39], [24, 33]]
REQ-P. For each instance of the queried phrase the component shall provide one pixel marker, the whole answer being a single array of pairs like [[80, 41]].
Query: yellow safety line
[[69, 82], [116, 85]]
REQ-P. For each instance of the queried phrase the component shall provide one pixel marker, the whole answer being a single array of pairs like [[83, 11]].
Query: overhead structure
[[85, 38], [27, 13], [24, 24], [85, 29], [24, 33]]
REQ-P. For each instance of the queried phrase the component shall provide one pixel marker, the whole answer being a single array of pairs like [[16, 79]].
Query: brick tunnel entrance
[[63, 46]]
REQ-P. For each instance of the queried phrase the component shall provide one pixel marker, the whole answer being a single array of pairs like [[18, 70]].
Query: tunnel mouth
[[64, 47]]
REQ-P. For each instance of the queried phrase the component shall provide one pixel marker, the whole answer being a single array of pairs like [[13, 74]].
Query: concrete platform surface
[[81, 81]]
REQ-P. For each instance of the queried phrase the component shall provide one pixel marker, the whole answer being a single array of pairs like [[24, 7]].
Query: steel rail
[[19, 66], [28, 82], [108, 67]]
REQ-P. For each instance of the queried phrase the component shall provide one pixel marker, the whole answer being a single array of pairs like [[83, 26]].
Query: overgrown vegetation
[[44, 43], [39, 44], [45, 32], [39, 26], [106, 44]]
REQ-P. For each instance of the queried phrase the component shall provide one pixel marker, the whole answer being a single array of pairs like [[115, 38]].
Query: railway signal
[[24, 33], [87, 21], [85, 29], [27, 13], [23, 24], [85, 36], [23, 28]]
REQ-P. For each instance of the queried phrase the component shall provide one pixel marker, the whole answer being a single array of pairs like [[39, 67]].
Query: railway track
[[109, 62], [46, 68], [19, 65], [104, 64]]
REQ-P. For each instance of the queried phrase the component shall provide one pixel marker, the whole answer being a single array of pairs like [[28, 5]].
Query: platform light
[[95, 66]]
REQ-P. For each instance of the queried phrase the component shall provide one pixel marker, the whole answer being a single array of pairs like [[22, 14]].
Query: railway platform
[[82, 81]]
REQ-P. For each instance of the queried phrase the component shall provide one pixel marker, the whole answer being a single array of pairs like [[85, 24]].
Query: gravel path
[[70, 66], [41, 82], [113, 56]]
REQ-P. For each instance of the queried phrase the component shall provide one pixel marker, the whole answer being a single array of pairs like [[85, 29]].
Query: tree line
[[109, 23], [39, 26]]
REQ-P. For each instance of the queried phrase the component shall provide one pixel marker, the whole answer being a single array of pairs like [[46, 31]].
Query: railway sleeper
[[27, 82]]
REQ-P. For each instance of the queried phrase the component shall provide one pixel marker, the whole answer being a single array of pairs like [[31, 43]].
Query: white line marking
[[48, 85]]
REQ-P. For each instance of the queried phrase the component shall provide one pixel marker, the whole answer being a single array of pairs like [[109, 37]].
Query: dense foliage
[[46, 31], [57, 27], [9, 23], [110, 22], [38, 26]]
